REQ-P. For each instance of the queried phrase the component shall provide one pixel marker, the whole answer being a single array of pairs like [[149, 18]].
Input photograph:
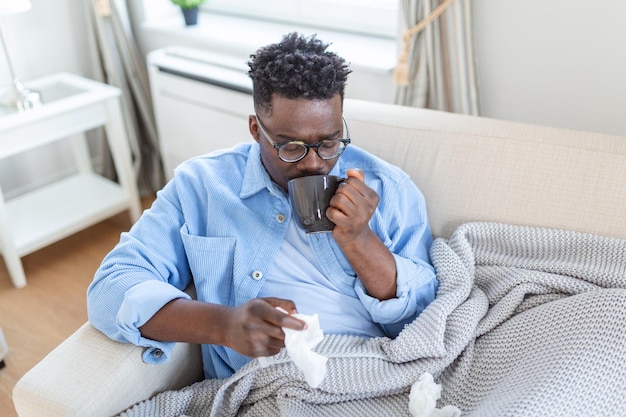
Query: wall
[[556, 63], [48, 38]]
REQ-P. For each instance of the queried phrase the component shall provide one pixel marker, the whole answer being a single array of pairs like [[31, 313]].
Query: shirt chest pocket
[[211, 260]]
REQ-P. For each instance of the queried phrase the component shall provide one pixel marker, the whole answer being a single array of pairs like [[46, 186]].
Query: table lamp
[[19, 97]]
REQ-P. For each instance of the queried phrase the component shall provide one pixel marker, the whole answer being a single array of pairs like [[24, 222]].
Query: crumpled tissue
[[423, 399], [299, 345]]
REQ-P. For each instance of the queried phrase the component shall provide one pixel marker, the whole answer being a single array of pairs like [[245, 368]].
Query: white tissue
[[423, 399], [299, 345]]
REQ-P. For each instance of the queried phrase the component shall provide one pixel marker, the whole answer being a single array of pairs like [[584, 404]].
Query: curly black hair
[[296, 67]]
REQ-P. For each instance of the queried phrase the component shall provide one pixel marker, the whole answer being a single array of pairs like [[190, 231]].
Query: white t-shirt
[[296, 276]]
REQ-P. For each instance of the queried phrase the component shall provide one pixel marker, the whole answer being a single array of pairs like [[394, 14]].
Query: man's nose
[[311, 162]]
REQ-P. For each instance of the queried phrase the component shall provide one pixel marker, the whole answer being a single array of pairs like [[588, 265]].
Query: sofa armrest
[[91, 375]]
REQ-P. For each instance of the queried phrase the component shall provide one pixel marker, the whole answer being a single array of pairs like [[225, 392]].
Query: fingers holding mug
[[356, 173]]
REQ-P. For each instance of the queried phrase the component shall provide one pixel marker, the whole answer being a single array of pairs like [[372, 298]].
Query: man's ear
[[253, 126]]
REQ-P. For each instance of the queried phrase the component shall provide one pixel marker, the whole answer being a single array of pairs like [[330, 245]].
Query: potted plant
[[189, 9]]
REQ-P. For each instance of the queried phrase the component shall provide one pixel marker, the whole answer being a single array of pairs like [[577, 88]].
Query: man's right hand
[[255, 328]]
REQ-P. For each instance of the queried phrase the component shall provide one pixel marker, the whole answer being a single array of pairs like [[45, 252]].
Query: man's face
[[309, 121]]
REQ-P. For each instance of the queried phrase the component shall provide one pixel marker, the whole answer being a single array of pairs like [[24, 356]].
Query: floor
[[36, 318]]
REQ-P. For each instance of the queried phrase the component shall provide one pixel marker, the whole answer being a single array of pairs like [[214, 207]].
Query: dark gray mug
[[310, 197]]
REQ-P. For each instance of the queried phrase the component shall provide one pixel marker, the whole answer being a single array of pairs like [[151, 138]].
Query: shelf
[[60, 209]]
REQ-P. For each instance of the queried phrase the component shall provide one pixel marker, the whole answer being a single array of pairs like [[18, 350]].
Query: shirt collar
[[255, 176]]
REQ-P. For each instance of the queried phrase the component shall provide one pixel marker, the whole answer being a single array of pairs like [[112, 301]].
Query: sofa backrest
[[479, 169]]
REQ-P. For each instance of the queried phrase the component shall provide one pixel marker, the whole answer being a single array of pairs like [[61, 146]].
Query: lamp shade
[[14, 6]]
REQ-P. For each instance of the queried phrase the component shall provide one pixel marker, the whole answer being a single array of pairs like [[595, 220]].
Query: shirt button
[[280, 217], [157, 353], [257, 275]]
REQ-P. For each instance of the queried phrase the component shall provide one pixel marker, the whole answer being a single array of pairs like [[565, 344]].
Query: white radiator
[[201, 102]]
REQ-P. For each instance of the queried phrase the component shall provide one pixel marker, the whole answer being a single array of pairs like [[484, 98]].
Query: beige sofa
[[469, 168]]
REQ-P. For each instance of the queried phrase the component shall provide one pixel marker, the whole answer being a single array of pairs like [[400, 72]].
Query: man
[[224, 223]]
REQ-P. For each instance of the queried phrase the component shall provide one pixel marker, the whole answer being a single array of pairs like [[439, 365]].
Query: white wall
[[557, 63], [48, 38]]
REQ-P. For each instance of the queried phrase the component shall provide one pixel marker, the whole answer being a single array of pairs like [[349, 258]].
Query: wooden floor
[[36, 318]]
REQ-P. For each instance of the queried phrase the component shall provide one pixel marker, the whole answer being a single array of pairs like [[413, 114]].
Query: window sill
[[239, 37]]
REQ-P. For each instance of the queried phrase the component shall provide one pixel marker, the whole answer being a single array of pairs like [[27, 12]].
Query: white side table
[[71, 106]]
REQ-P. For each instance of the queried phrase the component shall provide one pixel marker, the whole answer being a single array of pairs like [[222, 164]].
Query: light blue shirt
[[221, 222]]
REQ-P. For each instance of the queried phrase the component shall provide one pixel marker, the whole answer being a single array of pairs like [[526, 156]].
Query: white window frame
[[369, 17]]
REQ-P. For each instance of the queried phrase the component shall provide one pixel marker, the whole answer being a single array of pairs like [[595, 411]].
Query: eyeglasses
[[295, 150]]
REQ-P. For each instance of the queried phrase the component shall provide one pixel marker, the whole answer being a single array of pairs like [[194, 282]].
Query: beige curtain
[[436, 67], [116, 60]]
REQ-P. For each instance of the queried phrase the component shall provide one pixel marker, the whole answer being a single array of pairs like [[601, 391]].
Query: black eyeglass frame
[[346, 141]]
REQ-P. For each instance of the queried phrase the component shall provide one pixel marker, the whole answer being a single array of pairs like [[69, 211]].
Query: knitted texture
[[527, 322]]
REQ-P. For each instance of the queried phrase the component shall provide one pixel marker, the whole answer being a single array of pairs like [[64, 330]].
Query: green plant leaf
[[188, 4]]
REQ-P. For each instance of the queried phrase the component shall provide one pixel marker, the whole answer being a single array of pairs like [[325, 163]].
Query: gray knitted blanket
[[527, 322]]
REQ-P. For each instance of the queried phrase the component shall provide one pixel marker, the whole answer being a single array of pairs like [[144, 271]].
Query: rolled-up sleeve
[[140, 303], [416, 289]]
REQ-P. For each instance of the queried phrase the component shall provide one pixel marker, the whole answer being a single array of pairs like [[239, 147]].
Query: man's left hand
[[351, 209]]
